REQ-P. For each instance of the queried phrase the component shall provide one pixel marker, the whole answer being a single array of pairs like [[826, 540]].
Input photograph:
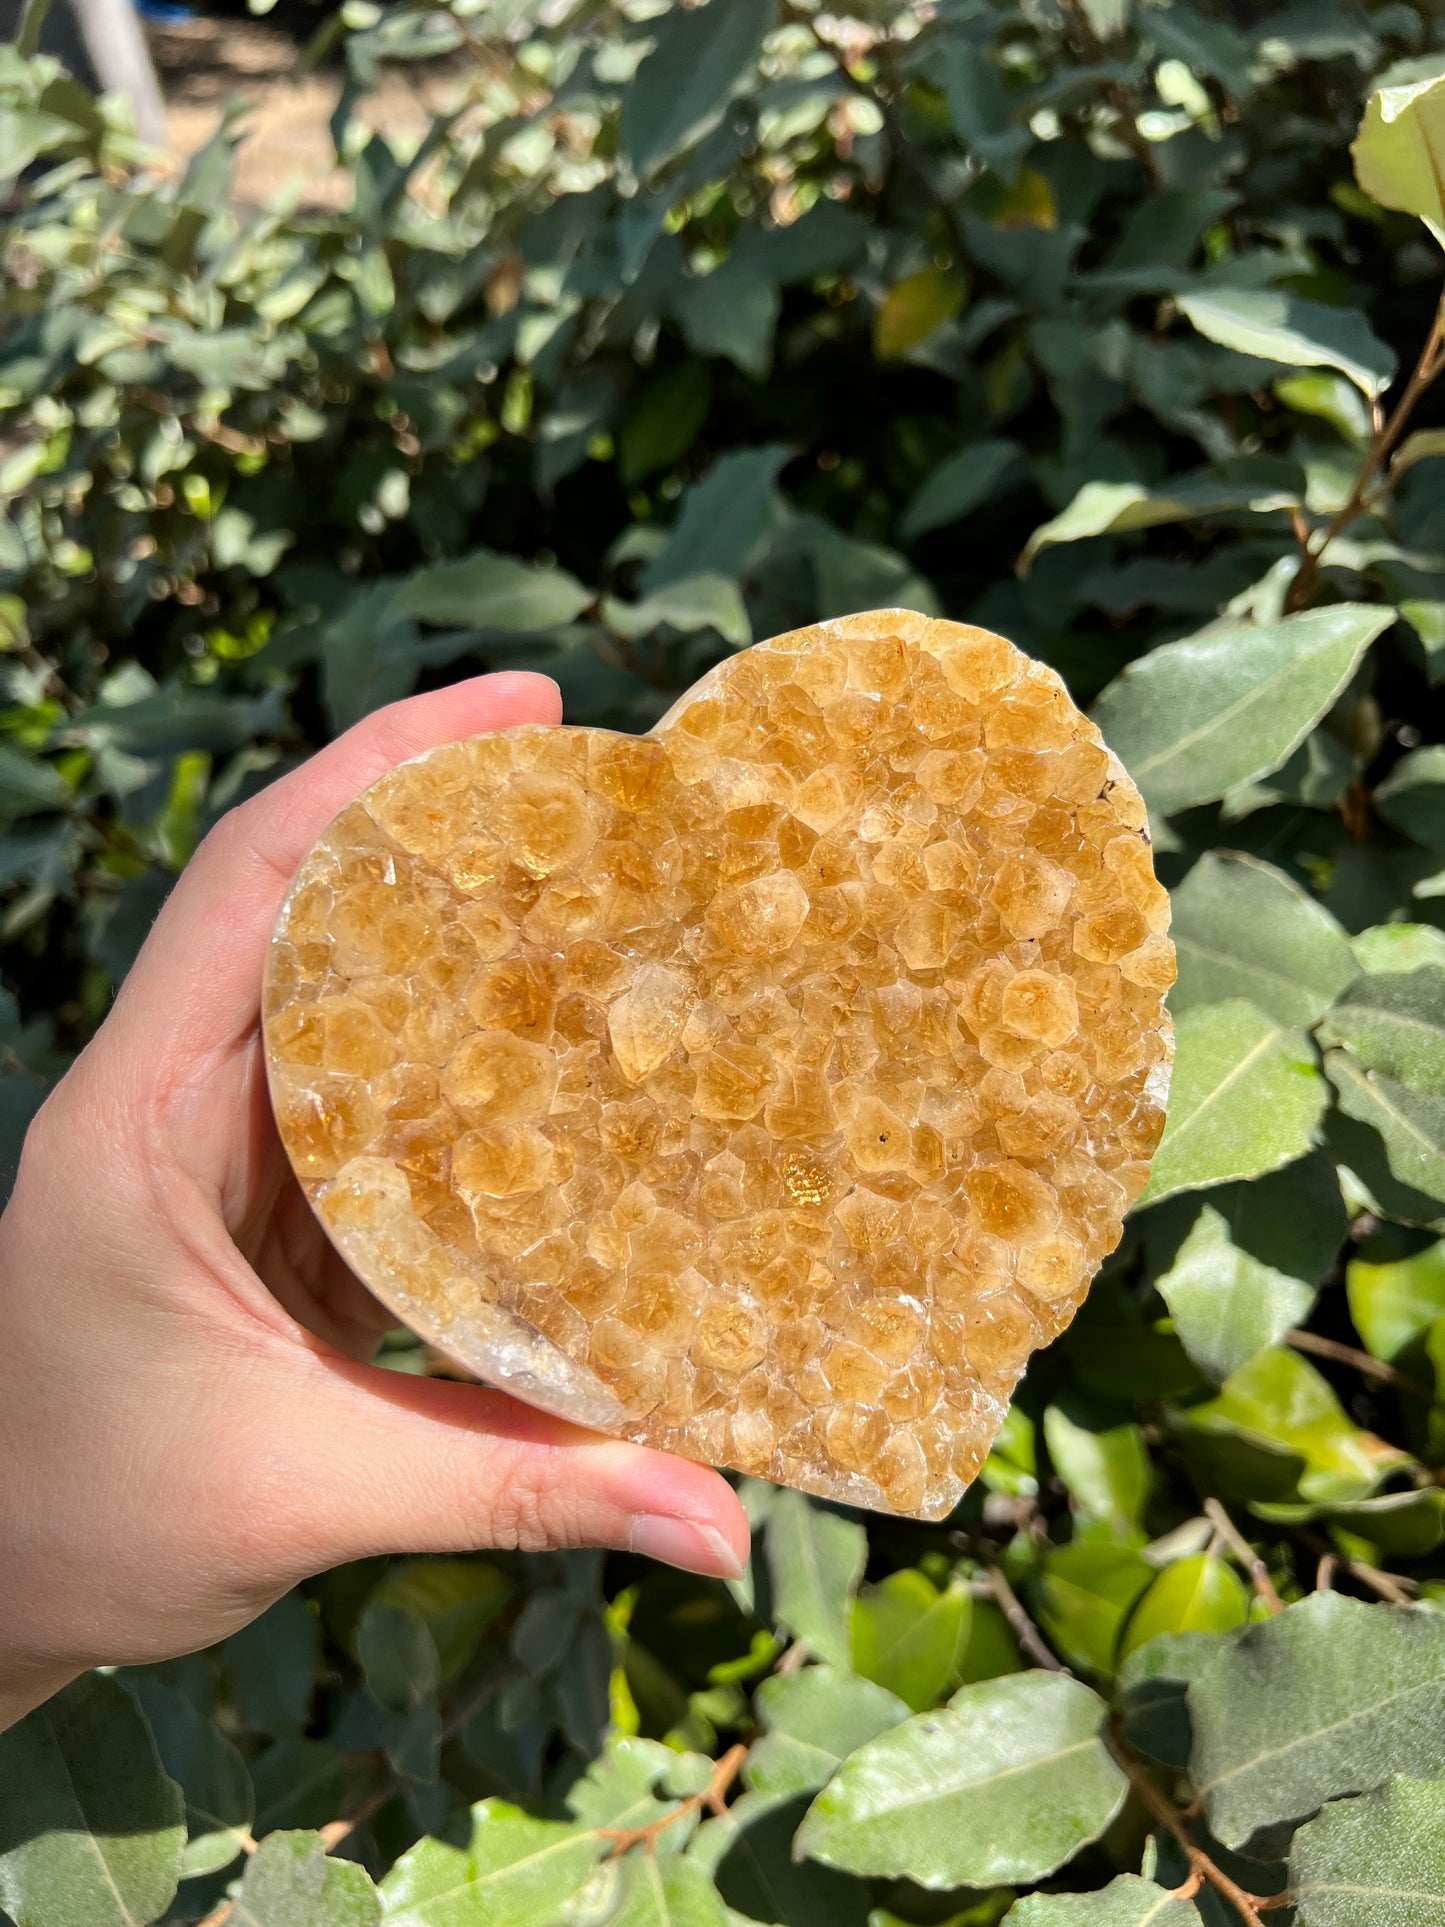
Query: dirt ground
[[204, 63]]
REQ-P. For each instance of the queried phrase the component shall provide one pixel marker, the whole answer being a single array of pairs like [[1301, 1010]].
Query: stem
[[1302, 1341], [1387, 434], [1201, 1867], [713, 1797], [1245, 1553], [1030, 1639]]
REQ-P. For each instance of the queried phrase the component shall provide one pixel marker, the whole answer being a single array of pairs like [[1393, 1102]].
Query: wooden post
[[122, 61]]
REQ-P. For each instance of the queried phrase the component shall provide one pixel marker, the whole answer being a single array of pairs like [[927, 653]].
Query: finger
[[360, 1461], [198, 976]]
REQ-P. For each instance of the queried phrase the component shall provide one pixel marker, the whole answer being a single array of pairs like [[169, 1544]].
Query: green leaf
[[1151, 1695], [1087, 1590], [485, 590], [1195, 718], [682, 87], [1374, 1862], [291, 1881], [1394, 1305], [1197, 1594], [1004, 1784], [91, 1828], [220, 1804], [272, 1664], [1329, 1697], [1399, 153], [959, 484], [695, 602], [1226, 1305], [1412, 796], [28, 784], [1398, 946], [748, 1850], [667, 1891], [1121, 508], [722, 518], [1287, 328], [1241, 928], [1401, 1155], [1330, 398], [1395, 1025], [815, 1559], [914, 309], [1104, 1464], [515, 1872], [636, 1782], [1127, 1901], [1423, 446], [812, 1721], [664, 423], [1246, 1097], [907, 1635], [457, 1599], [1279, 1399], [398, 1656]]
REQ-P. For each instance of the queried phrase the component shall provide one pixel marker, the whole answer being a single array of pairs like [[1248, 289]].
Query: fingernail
[[685, 1543]]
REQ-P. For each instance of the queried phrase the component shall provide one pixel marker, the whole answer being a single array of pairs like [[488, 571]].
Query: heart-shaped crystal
[[766, 1088]]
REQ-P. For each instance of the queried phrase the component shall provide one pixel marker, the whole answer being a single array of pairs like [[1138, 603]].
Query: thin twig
[[1387, 434], [1201, 1867], [1393, 1586], [1030, 1639], [1325, 1571], [1331, 1348], [713, 1797], [795, 1659], [1245, 1553]]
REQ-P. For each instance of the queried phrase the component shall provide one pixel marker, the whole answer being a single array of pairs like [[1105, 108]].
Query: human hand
[[188, 1421]]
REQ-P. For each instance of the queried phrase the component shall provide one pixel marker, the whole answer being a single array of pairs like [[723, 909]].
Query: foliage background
[[692, 325]]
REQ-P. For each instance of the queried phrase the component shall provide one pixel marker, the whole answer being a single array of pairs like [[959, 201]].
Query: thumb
[[371, 1461]]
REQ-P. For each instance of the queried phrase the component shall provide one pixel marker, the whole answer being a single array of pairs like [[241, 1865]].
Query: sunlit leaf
[[1004, 1784], [1399, 153], [1241, 928], [1288, 328]]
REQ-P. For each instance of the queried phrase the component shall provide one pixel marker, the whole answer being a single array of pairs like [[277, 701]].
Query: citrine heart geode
[[766, 1088]]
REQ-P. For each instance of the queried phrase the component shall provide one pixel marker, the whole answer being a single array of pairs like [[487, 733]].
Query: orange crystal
[[765, 1089]]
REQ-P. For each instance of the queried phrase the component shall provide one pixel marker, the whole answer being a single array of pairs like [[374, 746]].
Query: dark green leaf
[[1373, 1862], [1241, 928], [1412, 796], [681, 88], [1330, 1697], [220, 1804], [489, 591], [1196, 718], [91, 1828], [1400, 1155], [1246, 1097], [816, 1559], [1287, 328], [1395, 1025]]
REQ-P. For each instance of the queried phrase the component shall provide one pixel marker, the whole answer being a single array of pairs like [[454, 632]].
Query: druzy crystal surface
[[766, 1088]]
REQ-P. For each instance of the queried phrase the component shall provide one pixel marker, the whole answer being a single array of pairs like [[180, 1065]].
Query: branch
[[713, 1797], [1201, 1868], [1245, 1553], [1303, 1341], [1387, 434], [1030, 1639]]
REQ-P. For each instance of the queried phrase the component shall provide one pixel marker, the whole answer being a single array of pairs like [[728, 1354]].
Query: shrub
[[689, 325]]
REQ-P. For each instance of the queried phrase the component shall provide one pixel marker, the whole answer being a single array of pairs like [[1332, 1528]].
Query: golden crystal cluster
[[766, 1088]]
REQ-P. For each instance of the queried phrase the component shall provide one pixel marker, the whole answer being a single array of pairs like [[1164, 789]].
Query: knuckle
[[530, 1510]]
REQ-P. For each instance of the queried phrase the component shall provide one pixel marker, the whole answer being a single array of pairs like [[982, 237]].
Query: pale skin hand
[[188, 1421]]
